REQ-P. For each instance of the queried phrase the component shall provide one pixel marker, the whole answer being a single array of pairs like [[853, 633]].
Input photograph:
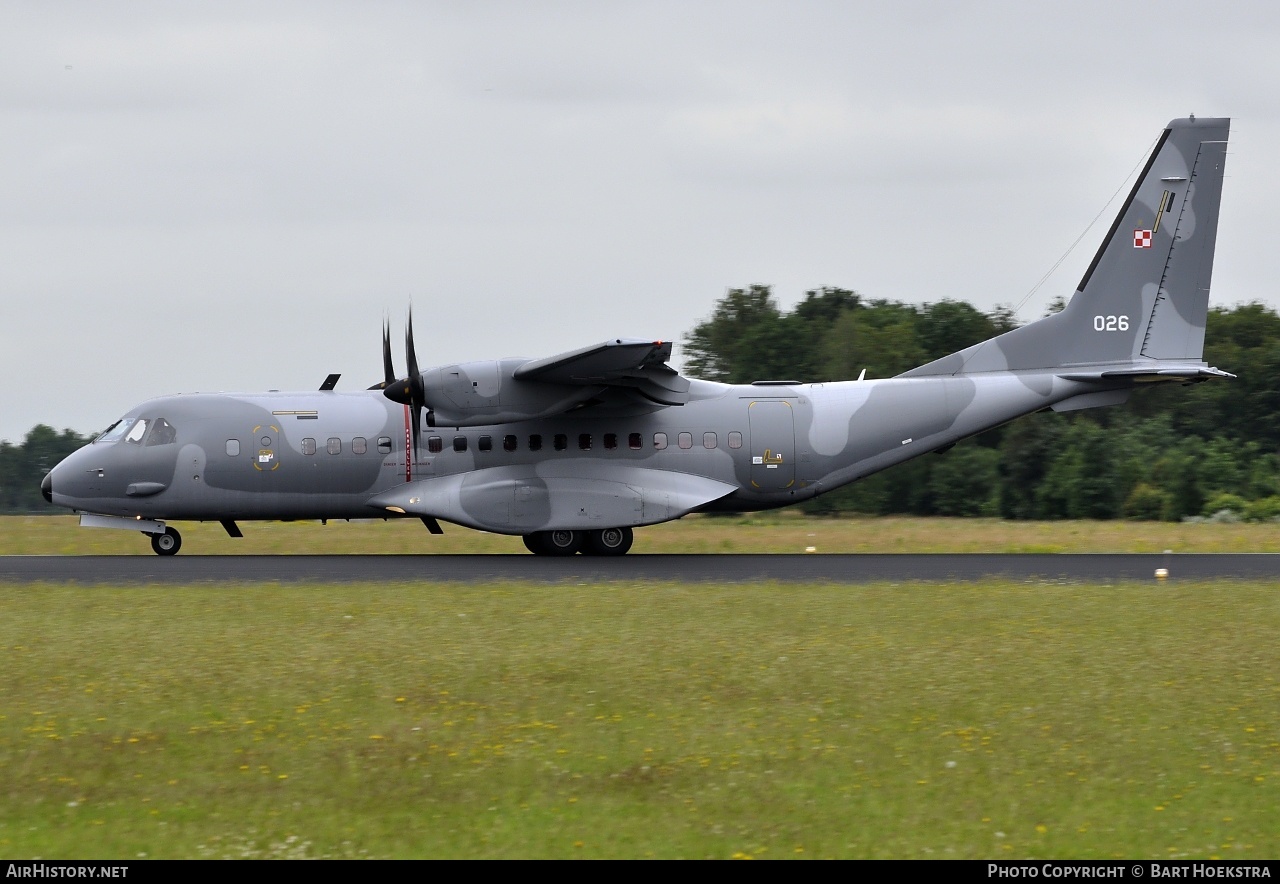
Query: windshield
[[116, 431], [131, 429]]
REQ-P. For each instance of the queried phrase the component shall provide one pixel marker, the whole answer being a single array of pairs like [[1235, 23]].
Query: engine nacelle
[[471, 394]]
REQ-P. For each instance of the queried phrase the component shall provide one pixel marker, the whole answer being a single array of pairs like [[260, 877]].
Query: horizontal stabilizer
[[1143, 373]]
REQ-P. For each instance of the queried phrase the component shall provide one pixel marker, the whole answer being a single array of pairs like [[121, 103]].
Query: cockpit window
[[116, 431], [134, 429], [162, 433], [136, 432], [131, 429]]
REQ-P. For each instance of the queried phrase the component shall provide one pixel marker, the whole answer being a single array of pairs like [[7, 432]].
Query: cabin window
[[510, 442], [384, 444], [162, 433], [659, 441], [610, 441], [535, 442], [233, 448], [561, 442], [359, 445], [735, 439], [633, 442], [435, 444], [485, 443], [459, 443], [584, 441], [708, 440], [686, 440], [308, 445], [333, 445]]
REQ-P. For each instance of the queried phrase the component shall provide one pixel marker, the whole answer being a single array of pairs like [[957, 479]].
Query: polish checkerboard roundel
[[1142, 239]]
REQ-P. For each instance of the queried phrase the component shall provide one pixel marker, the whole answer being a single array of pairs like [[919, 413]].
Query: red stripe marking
[[408, 447]]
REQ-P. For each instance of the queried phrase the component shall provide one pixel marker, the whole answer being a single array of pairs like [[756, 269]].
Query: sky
[[232, 196]]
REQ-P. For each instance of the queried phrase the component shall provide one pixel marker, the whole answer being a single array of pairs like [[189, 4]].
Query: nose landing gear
[[168, 543]]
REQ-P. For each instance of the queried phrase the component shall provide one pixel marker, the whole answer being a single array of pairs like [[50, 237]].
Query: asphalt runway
[[849, 569]]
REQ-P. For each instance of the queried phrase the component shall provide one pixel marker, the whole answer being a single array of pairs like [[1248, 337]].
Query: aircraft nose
[[46, 486]]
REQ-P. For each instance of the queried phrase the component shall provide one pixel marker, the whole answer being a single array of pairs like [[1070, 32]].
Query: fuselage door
[[773, 444], [266, 448]]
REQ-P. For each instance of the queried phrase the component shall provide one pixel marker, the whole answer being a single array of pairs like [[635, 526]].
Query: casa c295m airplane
[[574, 451]]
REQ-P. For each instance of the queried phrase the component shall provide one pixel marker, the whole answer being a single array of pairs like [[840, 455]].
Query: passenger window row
[[585, 442], [511, 442], [332, 445]]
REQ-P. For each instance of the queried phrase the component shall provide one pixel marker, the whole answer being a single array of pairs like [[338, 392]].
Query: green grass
[[999, 720], [785, 531]]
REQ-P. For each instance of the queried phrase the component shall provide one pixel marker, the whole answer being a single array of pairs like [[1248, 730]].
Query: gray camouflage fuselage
[[609, 437]]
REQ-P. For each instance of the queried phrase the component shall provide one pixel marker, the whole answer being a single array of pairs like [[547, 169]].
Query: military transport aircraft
[[574, 451]]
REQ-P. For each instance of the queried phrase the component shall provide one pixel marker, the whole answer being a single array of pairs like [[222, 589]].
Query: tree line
[[1210, 450], [23, 466], [1169, 453]]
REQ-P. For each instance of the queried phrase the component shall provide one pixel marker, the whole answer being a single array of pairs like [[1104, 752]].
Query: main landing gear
[[168, 543], [604, 542]]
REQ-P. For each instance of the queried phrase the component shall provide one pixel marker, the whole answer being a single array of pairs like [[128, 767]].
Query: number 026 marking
[[1110, 323]]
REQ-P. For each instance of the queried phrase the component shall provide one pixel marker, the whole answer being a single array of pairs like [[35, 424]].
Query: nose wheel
[[168, 543]]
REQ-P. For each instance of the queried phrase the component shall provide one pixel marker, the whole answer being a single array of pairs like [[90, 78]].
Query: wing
[[634, 364]]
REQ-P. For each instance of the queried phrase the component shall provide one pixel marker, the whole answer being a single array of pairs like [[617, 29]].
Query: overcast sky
[[226, 196]]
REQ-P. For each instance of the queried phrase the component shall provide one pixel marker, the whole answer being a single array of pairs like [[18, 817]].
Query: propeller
[[408, 390]]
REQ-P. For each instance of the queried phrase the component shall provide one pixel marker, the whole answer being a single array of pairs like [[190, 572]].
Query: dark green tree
[[949, 326], [743, 340], [22, 467], [965, 481], [1080, 481]]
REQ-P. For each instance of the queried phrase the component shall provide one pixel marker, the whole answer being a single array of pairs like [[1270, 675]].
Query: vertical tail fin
[[1145, 296]]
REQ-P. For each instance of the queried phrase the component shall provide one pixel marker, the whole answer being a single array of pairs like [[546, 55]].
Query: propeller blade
[[415, 390], [388, 369], [416, 420], [410, 352]]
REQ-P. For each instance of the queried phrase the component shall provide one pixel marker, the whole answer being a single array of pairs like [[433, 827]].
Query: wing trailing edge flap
[[561, 496], [623, 362]]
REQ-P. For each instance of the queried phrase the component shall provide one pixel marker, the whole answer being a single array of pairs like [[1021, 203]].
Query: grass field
[[782, 531], [617, 720], [1002, 720]]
